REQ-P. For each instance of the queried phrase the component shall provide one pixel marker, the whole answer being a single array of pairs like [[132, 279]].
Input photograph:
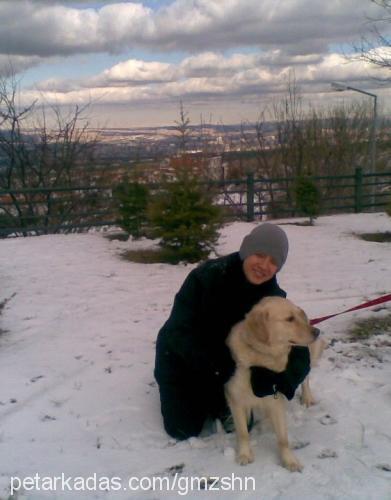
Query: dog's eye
[[290, 319]]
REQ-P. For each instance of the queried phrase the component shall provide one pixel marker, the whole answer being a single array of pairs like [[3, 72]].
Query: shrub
[[7, 221], [183, 216], [307, 197], [132, 200]]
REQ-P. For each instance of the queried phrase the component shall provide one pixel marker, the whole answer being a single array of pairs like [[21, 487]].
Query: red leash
[[379, 300]]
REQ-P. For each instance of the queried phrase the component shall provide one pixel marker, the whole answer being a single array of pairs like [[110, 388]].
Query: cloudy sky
[[225, 59]]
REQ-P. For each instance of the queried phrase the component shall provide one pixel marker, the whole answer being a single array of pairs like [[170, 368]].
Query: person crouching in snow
[[192, 361]]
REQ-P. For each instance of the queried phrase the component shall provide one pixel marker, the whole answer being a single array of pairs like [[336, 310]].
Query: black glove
[[299, 365], [265, 382]]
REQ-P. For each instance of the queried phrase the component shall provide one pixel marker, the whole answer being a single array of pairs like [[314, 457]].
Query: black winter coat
[[214, 297]]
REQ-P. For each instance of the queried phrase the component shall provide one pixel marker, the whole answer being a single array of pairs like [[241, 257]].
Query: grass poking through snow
[[376, 237], [367, 328]]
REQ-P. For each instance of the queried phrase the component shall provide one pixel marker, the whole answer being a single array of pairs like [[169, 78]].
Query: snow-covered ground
[[78, 398]]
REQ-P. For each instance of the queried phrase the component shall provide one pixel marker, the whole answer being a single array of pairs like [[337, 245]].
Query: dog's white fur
[[265, 338]]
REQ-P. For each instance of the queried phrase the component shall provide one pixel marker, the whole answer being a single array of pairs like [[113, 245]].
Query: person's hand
[[265, 382], [299, 365]]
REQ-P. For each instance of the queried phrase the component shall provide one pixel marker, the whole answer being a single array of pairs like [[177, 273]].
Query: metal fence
[[52, 210], [47, 210], [275, 197]]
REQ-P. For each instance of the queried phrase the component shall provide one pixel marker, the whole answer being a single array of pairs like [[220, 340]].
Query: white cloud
[[27, 28], [213, 64], [119, 26], [136, 71], [209, 75], [16, 64], [337, 67], [296, 26]]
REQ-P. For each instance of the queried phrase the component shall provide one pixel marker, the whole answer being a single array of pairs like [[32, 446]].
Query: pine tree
[[307, 197], [183, 216]]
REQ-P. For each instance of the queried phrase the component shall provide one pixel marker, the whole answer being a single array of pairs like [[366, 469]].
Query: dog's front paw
[[245, 458], [291, 462]]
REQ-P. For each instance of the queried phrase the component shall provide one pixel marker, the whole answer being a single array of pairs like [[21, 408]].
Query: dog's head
[[277, 321]]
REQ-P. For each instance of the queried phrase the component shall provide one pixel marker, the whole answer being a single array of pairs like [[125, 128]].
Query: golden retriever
[[265, 338]]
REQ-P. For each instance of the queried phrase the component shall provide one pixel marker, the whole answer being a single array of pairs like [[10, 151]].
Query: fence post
[[358, 190], [250, 196]]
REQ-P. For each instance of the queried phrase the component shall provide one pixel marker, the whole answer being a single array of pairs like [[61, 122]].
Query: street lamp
[[340, 87]]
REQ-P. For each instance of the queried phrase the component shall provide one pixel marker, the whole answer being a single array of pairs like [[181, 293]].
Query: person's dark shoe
[[228, 424], [227, 421], [209, 428]]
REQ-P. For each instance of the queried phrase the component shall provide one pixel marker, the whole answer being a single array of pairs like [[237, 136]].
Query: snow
[[78, 397]]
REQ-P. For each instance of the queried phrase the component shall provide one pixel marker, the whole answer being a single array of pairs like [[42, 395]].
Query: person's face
[[259, 268]]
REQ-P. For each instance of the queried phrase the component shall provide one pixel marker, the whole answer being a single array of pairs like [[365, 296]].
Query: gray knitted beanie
[[268, 239]]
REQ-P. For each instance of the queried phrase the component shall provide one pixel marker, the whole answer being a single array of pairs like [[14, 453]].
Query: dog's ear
[[256, 324]]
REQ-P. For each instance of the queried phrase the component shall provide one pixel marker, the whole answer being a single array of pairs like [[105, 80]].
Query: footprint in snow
[[299, 445], [328, 454], [327, 420], [384, 467], [174, 469], [48, 418]]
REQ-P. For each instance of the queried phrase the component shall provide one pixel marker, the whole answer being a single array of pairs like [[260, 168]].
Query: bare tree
[[293, 139], [35, 161], [374, 48], [182, 127]]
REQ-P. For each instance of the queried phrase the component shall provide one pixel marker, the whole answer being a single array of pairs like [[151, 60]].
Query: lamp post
[[340, 87]]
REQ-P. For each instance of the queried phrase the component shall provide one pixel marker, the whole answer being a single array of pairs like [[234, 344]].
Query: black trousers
[[187, 398]]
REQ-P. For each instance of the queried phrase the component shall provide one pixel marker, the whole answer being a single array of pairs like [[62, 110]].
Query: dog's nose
[[315, 332]]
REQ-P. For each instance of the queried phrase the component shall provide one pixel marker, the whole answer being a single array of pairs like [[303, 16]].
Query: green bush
[[132, 201], [388, 209], [183, 216], [307, 197], [7, 221]]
